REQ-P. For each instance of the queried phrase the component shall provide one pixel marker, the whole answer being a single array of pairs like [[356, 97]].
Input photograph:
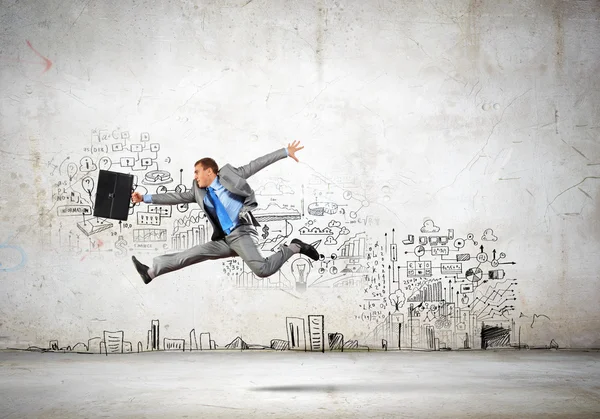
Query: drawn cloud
[[271, 188], [330, 240], [87, 166], [429, 227], [488, 235], [344, 231], [334, 223]]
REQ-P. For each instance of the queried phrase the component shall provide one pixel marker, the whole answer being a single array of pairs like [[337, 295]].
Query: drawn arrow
[[507, 263], [47, 61]]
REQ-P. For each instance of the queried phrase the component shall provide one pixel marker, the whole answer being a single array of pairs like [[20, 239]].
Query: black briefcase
[[113, 195]]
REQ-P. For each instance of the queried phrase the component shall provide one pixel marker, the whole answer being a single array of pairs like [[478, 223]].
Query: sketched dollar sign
[[265, 231], [120, 245]]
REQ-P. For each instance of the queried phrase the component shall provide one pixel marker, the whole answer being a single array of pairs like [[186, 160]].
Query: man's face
[[203, 177]]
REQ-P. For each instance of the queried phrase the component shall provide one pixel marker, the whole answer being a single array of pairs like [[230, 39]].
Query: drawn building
[[152, 343], [205, 342], [174, 344], [296, 333], [316, 332], [113, 342]]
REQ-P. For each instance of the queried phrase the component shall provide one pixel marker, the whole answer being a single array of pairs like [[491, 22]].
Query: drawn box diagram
[[146, 218], [67, 210], [419, 268], [451, 268], [433, 240], [440, 250], [496, 274], [162, 210], [127, 161], [394, 252], [146, 235], [466, 288]]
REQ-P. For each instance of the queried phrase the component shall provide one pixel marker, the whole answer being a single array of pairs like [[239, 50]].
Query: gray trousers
[[243, 242]]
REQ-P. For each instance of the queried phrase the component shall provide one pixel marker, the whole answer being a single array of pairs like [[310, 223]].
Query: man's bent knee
[[260, 270]]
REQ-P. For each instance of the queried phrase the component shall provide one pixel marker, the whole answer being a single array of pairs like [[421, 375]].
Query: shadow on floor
[[328, 388]]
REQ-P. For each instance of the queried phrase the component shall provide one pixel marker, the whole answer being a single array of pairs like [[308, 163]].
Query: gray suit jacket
[[234, 180]]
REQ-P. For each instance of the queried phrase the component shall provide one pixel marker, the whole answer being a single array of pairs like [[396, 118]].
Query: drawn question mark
[[105, 163], [71, 170], [88, 184]]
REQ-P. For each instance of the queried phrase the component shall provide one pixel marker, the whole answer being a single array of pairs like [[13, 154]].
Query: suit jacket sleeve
[[174, 198], [260, 163]]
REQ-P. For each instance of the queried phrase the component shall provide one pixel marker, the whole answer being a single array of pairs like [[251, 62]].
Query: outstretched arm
[[260, 163], [171, 198]]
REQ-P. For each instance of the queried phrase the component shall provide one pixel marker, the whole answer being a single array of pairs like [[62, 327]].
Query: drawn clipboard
[[113, 195]]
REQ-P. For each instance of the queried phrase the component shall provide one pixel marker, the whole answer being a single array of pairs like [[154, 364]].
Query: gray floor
[[479, 384]]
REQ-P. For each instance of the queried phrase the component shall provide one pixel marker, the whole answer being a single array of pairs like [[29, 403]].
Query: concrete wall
[[467, 127]]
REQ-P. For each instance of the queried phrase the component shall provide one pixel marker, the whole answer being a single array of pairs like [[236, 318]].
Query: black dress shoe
[[142, 270], [307, 249]]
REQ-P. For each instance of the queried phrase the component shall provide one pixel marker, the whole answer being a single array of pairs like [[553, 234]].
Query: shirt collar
[[215, 184]]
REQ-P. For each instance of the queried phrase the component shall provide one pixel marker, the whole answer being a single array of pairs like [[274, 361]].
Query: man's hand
[[136, 197], [292, 148]]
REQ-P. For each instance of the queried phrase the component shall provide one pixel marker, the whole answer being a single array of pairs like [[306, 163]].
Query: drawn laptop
[[113, 195]]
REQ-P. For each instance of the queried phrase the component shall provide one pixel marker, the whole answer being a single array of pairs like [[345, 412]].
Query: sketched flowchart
[[438, 292], [116, 150]]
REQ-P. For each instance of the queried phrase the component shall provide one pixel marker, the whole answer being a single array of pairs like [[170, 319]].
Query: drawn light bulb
[[300, 270]]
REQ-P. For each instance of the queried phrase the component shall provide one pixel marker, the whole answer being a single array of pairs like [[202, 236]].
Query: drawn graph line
[[492, 306], [492, 295]]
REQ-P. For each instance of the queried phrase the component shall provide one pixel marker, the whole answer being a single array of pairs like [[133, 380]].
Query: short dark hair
[[208, 163]]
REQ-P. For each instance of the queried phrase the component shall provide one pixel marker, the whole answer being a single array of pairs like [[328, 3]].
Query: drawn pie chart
[[157, 177], [419, 251], [474, 274]]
